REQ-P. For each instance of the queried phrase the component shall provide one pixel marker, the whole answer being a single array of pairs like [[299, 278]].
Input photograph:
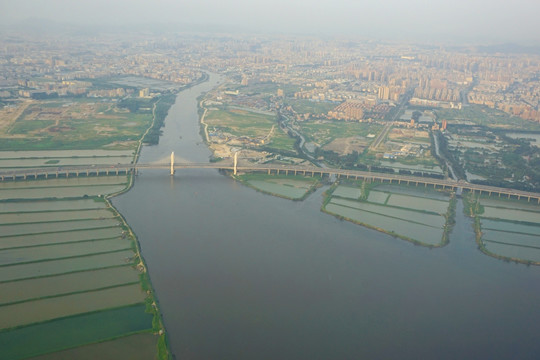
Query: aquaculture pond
[[69, 266], [294, 188], [412, 213], [507, 228]]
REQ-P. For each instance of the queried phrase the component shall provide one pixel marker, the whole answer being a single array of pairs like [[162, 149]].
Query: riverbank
[[70, 261], [234, 270]]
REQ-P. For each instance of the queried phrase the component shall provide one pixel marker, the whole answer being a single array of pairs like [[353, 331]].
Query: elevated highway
[[239, 167]]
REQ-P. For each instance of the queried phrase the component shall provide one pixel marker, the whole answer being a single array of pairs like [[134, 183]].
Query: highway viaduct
[[235, 167]]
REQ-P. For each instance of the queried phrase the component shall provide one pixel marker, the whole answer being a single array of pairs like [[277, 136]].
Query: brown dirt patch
[[344, 146]]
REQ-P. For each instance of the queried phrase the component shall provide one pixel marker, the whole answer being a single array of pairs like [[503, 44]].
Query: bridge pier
[[268, 171], [172, 163], [235, 162]]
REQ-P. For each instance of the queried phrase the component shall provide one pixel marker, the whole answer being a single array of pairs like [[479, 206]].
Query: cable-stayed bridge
[[235, 167]]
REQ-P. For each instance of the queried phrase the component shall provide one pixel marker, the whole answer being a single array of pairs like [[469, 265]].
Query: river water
[[243, 275]]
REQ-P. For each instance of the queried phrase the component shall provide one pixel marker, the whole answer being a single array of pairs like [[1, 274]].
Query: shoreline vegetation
[[135, 328], [151, 135]]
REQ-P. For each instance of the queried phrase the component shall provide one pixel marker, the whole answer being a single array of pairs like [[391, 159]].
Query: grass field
[[241, 122], [250, 128], [75, 123], [325, 132]]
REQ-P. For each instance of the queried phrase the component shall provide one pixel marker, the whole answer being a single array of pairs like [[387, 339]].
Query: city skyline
[[417, 20]]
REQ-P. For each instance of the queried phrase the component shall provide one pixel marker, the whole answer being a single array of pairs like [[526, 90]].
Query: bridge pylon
[[172, 163], [235, 162]]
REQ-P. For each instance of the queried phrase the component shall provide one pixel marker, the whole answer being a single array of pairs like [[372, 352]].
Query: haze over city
[[286, 179], [419, 20]]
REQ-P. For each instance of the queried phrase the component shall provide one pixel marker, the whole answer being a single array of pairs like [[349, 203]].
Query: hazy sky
[[491, 20]]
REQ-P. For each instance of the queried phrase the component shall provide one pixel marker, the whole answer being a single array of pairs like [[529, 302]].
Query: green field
[[241, 122], [323, 133], [76, 123], [139, 346], [281, 141], [73, 331], [261, 129]]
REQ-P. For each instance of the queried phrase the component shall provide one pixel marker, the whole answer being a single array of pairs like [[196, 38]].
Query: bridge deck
[[225, 165]]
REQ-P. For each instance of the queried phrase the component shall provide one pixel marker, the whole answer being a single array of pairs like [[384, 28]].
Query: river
[[243, 275]]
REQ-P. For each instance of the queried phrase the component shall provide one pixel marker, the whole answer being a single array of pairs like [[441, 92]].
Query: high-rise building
[[384, 93]]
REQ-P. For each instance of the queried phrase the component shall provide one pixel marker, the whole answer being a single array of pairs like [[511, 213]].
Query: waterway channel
[[243, 275]]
